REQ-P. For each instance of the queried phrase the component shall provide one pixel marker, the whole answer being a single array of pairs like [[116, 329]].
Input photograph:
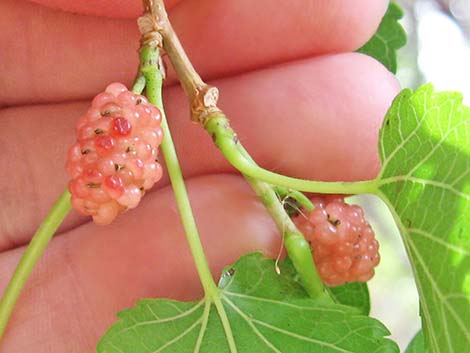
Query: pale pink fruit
[[113, 162], [343, 243]]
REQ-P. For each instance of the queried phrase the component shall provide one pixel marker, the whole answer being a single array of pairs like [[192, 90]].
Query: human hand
[[298, 108]]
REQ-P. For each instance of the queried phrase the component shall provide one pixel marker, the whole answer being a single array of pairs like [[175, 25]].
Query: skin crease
[[321, 116]]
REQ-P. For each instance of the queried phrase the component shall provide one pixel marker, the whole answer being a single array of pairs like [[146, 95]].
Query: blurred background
[[438, 48], [438, 51]]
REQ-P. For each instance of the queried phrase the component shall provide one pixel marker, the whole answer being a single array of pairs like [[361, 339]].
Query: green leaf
[[390, 37], [425, 180], [353, 294], [417, 344], [257, 311]]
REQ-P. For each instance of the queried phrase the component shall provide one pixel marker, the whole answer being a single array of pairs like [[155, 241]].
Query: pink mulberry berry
[[343, 243], [114, 160]]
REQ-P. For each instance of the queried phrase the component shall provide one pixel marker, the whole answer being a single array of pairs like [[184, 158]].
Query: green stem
[[226, 140], [154, 81], [297, 247], [31, 256]]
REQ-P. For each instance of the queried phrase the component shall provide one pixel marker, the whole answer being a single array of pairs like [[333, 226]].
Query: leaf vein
[[438, 240], [253, 327], [173, 318], [180, 336], [425, 182], [278, 302]]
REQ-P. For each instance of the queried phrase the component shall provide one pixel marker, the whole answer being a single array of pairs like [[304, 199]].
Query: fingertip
[[365, 19], [346, 26]]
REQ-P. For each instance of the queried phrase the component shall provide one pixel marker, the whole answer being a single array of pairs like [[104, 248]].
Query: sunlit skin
[[302, 106]]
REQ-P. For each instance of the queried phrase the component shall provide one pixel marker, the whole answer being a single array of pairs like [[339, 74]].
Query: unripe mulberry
[[343, 243], [114, 160]]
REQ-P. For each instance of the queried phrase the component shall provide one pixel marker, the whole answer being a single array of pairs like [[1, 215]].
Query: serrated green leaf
[[353, 294], [425, 180], [390, 37], [257, 311], [417, 344]]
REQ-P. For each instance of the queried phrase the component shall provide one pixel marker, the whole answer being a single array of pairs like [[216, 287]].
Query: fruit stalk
[[302, 200], [203, 102], [31, 256]]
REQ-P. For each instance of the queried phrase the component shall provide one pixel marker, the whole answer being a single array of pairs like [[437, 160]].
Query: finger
[[106, 8], [40, 63], [316, 119], [89, 274]]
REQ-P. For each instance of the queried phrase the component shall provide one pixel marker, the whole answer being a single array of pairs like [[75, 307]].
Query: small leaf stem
[[154, 82], [31, 256], [218, 126]]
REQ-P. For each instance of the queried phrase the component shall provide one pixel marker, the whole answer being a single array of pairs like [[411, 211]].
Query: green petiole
[[154, 81], [218, 126], [31, 256]]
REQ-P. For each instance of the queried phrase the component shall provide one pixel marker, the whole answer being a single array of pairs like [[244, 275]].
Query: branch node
[[149, 29], [204, 103]]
